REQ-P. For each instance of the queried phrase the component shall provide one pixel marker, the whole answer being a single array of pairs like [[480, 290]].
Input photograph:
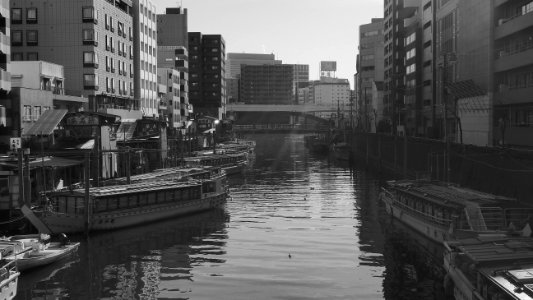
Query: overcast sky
[[296, 31]]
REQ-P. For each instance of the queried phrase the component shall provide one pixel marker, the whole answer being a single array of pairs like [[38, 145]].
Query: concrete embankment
[[500, 171]]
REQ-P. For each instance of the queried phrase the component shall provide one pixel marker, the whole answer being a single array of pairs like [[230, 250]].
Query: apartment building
[[145, 56], [513, 72], [207, 74], [92, 39], [5, 68]]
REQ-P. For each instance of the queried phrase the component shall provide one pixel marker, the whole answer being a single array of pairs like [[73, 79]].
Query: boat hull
[[130, 217], [47, 256], [431, 231], [8, 285]]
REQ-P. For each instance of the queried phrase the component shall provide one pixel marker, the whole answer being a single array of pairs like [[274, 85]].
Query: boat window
[[80, 206], [112, 203], [186, 194], [170, 195], [101, 205], [142, 199], [161, 197], [62, 204], [132, 200], [124, 201], [151, 197]]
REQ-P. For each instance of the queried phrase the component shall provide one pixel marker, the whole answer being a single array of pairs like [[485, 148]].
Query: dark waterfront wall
[[501, 171]]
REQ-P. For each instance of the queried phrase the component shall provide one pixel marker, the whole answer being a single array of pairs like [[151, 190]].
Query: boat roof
[[497, 250], [144, 186], [447, 194], [175, 172]]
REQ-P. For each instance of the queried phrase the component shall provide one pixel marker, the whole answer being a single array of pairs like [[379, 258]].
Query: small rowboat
[[31, 251]]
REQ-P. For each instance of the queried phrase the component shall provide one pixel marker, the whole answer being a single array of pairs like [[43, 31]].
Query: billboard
[[328, 66]]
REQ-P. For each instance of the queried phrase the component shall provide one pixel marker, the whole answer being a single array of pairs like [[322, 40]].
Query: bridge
[[294, 108], [281, 128]]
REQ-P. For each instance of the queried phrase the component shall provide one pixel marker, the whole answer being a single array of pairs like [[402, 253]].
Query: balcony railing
[[517, 47]]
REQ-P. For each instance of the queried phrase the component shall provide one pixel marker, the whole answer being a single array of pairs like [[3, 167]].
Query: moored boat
[[231, 163], [8, 279], [31, 251], [490, 268], [119, 206], [442, 211]]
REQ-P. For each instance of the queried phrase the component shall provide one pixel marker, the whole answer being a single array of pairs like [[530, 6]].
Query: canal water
[[297, 226]]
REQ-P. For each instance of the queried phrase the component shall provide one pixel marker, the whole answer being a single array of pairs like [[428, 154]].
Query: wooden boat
[[443, 211], [119, 206], [31, 251], [489, 268], [8, 279], [231, 163], [316, 144], [341, 151]]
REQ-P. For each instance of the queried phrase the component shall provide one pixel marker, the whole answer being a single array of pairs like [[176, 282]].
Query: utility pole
[[445, 107]]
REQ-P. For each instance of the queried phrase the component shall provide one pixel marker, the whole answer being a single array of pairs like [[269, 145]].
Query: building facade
[[207, 74], [236, 60], [173, 41], [145, 56], [513, 73], [92, 39], [370, 69], [267, 84], [5, 68]]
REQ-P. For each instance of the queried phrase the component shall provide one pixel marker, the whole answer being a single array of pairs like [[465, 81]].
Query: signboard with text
[[15, 143]]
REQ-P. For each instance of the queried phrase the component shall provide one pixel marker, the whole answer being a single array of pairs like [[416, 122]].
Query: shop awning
[[46, 124], [126, 130], [52, 161]]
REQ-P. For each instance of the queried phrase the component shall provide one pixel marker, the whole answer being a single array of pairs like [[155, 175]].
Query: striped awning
[[47, 122]]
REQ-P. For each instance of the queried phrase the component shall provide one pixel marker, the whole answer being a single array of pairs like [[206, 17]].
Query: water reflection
[[145, 262], [414, 264]]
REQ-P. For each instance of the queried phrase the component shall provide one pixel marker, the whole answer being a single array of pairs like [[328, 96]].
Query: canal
[[297, 226]]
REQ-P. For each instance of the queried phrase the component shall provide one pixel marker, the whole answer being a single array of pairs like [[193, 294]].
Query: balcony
[[506, 27], [513, 96], [512, 60]]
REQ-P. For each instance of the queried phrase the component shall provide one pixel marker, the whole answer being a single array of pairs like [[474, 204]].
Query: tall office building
[[173, 41], [236, 60], [145, 56], [234, 63], [207, 69], [370, 70], [172, 27], [91, 39], [267, 84], [396, 13]]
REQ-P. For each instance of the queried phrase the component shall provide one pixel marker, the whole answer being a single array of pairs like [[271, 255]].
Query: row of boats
[[486, 239], [122, 202]]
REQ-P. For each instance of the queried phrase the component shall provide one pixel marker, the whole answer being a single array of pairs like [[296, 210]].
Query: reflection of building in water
[[413, 263], [139, 262]]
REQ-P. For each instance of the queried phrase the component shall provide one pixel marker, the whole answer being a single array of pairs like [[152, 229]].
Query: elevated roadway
[[295, 108]]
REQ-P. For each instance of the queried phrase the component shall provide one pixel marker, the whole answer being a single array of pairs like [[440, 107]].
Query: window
[[31, 15], [32, 56], [27, 113], [107, 64], [36, 112], [527, 8], [16, 56], [89, 14], [90, 37], [16, 16], [120, 27], [411, 38], [16, 38], [411, 53], [90, 59], [32, 38], [90, 81], [410, 69]]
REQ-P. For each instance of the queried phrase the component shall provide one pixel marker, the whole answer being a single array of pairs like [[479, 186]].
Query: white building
[[145, 56]]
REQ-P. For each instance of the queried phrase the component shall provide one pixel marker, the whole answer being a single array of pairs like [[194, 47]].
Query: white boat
[[31, 251], [8, 279], [442, 211], [489, 268], [231, 163], [118, 206]]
